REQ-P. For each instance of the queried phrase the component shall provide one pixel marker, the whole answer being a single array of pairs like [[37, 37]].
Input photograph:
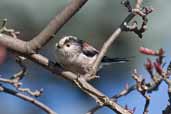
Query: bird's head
[[68, 45]]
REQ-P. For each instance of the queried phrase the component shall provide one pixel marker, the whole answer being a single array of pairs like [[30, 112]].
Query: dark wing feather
[[88, 50]]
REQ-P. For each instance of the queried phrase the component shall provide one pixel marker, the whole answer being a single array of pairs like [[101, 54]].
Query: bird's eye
[[68, 45]]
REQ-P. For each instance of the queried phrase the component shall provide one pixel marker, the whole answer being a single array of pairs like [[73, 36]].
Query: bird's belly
[[76, 68], [77, 64]]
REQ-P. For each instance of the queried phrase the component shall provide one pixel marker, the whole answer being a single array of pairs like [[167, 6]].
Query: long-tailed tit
[[78, 56]]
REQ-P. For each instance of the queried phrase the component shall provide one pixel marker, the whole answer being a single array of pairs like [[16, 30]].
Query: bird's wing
[[89, 50]]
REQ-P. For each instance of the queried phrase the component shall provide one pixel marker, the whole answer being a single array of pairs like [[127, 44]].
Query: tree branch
[[124, 92], [28, 99], [100, 98], [55, 24]]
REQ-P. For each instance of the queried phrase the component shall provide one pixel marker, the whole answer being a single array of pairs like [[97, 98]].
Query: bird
[[78, 56]]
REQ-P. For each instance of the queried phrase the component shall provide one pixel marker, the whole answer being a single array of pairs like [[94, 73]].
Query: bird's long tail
[[115, 60], [108, 61]]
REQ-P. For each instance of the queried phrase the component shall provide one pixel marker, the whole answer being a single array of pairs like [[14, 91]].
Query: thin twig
[[28, 99]]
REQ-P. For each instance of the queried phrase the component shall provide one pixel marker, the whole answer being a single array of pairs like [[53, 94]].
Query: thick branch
[[55, 24], [100, 98], [124, 92]]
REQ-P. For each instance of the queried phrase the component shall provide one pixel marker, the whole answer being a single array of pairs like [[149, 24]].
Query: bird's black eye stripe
[[66, 41], [70, 40]]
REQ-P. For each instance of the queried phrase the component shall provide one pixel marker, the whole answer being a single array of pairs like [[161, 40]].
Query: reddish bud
[[158, 68], [3, 54], [147, 51], [149, 65]]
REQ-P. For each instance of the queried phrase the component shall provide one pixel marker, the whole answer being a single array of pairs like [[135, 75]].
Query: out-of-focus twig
[[15, 80], [27, 98]]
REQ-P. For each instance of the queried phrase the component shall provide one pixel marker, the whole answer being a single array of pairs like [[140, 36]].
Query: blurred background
[[94, 23]]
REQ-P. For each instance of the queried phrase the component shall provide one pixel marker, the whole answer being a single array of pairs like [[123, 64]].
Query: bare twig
[[35, 93], [15, 80], [146, 104], [28, 99], [19, 76], [134, 27], [4, 29], [142, 88]]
